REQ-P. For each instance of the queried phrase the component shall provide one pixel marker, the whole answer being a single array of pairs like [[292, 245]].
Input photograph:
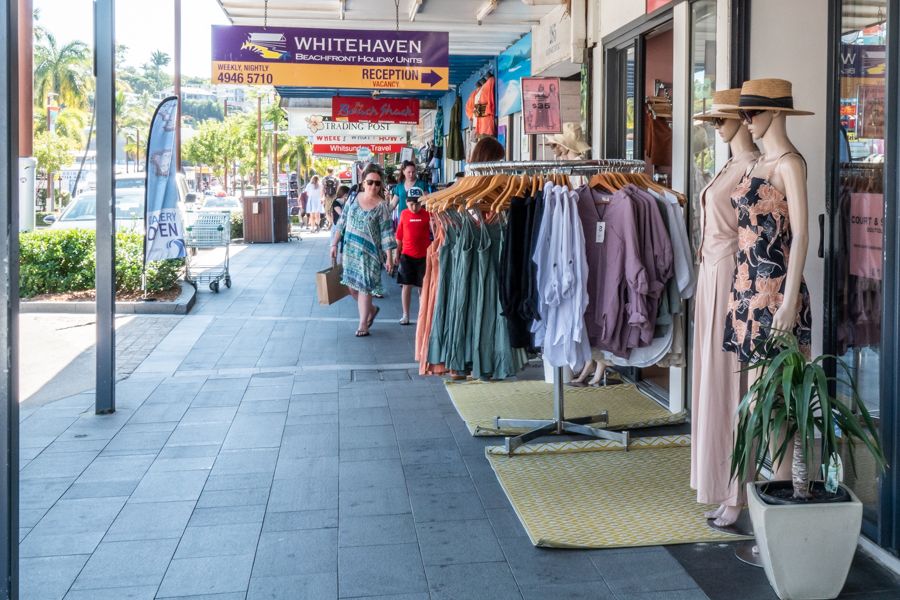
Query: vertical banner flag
[[164, 236]]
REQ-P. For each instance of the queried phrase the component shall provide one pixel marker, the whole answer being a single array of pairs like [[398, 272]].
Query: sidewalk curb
[[180, 306]]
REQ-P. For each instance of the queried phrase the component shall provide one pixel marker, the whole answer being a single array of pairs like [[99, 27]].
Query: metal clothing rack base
[[558, 425]]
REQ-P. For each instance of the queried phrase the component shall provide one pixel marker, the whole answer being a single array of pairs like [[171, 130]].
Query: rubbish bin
[[266, 219]]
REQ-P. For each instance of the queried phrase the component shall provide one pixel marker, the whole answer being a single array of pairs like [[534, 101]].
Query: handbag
[[328, 284]]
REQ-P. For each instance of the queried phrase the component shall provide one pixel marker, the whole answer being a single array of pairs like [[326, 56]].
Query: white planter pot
[[806, 550]]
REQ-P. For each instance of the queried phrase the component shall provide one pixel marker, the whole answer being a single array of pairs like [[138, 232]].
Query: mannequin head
[[727, 128], [764, 123]]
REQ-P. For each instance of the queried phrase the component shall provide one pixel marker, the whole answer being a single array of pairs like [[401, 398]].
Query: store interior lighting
[[486, 9], [414, 7]]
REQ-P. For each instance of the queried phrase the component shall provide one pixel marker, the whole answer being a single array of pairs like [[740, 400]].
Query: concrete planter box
[[806, 550], [180, 306]]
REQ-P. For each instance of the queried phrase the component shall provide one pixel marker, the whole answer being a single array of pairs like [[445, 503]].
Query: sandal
[[375, 314], [361, 333], [404, 320]]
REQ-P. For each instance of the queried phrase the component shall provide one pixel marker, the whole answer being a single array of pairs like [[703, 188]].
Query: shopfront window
[[859, 211], [703, 78]]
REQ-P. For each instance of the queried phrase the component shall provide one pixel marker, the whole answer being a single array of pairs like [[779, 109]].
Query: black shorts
[[412, 271]]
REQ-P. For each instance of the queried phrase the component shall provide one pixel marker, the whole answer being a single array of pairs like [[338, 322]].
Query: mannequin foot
[[715, 514], [584, 372], [728, 517], [599, 373]]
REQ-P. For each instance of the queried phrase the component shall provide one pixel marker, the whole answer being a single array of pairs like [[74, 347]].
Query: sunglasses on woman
[[747, 115], [373, 182], [718, 122]]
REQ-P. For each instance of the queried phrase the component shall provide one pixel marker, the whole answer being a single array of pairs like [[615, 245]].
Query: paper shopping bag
[[329, 286]]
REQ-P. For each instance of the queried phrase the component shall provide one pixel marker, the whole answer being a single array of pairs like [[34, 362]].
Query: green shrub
[[237, 226], [59, 261]]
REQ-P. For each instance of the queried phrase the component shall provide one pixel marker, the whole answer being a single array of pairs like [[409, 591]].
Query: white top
[[562, 281], [314, 192]]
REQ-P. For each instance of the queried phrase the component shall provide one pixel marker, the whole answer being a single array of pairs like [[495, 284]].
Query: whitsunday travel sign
[[330, 58], [164, 236]]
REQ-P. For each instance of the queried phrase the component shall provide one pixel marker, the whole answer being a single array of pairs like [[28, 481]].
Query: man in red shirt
[[413, 238]]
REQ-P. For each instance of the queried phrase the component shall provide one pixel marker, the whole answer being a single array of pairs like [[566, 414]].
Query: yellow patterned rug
[[479, 402], [593, 494]]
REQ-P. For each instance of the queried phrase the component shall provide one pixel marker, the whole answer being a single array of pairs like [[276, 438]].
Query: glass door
[[859, 206], [621, 126]]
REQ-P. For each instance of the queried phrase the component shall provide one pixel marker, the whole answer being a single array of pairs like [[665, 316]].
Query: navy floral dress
[[764, 246]]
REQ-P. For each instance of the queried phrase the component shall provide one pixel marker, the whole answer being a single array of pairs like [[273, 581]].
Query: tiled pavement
[[261, 451]]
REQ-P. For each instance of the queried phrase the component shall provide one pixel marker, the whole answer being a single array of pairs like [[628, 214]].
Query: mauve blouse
[[617, 278]]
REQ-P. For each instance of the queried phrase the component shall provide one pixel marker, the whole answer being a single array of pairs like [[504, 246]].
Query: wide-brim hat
[[722, 100], [572, 138], [768, 94]]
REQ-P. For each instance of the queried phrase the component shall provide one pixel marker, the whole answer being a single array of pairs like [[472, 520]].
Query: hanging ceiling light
[[414, 7], [485, 9]]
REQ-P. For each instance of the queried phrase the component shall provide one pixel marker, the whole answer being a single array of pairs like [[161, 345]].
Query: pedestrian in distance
[[487, 149], [409, 180], [314, 202], [337, 208], [368, 236], [413, 238], [330, 185]]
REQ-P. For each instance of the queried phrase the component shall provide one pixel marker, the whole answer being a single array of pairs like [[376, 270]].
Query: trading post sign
[[330, 58]]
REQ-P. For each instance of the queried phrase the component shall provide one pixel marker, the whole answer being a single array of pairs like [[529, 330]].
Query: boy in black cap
[[413, 238]]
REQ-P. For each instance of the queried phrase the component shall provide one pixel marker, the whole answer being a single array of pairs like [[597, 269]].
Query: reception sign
[[375, 110], [333, 58]]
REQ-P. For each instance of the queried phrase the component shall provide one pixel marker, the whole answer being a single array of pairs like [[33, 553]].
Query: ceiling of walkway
[[479, 29], [502, 22]]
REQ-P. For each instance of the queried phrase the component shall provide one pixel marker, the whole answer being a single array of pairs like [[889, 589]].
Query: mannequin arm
[[793, 173]]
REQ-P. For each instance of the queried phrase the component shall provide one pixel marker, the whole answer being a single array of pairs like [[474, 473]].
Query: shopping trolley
[[209, 230]]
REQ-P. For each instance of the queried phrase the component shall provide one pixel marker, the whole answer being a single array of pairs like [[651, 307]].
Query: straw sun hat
[[721, 101], [572, 138], [768, 94]]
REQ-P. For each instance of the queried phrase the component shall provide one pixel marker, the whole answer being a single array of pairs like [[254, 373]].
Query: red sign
[[654, 4], [375, 110], [352, 148]]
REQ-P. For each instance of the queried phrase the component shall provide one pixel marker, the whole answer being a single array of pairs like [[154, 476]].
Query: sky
[[143, 26]]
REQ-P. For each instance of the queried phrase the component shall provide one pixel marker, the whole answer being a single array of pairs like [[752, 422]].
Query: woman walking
[[314, 205], [368, 235]]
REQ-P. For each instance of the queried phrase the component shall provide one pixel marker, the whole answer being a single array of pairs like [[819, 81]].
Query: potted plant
[[806, 529]]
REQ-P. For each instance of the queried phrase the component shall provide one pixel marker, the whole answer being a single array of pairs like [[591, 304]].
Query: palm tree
[[296, 153], [158, 61], [65, 71]]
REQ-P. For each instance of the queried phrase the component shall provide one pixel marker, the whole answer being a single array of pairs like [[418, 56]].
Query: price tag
[[601, 231]]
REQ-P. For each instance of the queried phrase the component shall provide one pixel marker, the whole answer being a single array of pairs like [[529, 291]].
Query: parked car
[[130, 181], [81, 213], [223, 204]]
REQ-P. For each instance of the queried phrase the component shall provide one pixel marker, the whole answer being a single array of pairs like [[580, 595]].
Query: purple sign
[[237, 43]]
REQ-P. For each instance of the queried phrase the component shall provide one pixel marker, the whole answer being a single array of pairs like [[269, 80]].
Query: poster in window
[[870, 112], [540, 103], [866, 235]]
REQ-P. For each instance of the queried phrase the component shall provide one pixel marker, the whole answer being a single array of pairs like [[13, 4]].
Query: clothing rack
[[559, 424]]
